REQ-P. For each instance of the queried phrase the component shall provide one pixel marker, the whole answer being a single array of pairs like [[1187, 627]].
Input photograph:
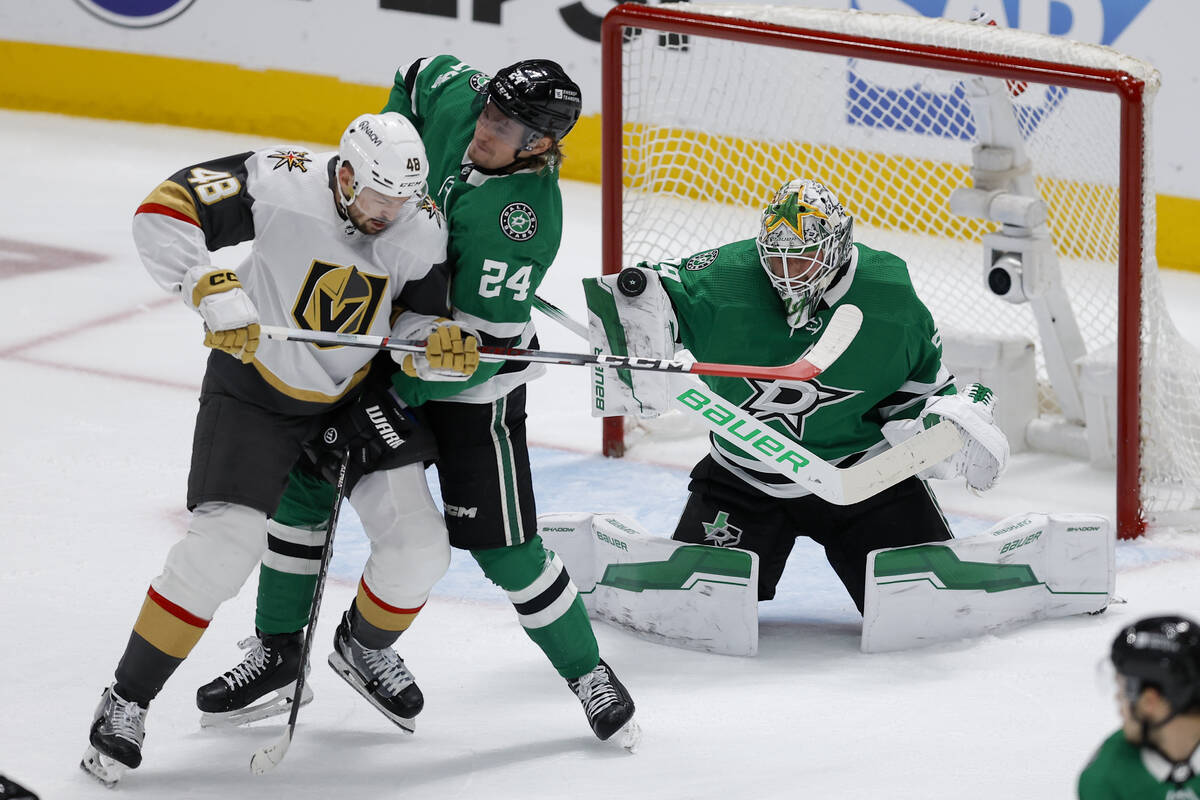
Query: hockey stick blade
[[267, 758], [840, 332]]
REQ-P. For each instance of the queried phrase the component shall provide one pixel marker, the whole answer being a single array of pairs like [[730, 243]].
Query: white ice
[[100, 377]]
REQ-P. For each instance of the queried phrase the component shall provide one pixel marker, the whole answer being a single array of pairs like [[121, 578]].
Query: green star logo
[[789, 212], [720, 533]]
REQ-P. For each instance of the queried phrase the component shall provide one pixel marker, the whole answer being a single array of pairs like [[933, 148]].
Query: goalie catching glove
[[451, 349], [984, 453], [230, 318]]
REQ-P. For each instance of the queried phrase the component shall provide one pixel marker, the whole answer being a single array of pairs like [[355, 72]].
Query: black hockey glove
[[381, 433]]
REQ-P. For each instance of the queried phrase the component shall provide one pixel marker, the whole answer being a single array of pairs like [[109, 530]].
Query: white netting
[[712, 127]]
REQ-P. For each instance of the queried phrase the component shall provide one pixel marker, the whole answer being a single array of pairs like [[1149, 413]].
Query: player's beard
[[371, 226]]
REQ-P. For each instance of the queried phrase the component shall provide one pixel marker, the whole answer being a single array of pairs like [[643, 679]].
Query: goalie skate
[[379, 676]]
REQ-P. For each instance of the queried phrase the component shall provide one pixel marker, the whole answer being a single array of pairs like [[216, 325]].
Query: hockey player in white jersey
[[337, 239]]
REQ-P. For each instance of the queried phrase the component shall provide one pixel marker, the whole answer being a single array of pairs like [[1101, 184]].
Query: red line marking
[[82, 327]]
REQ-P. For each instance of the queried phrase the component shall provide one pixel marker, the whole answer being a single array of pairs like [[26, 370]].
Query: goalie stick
[[837, 485], [839, 333], [268, 757]]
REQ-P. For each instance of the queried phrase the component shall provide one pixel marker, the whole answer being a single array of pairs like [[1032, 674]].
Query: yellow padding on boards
[[283, 105]]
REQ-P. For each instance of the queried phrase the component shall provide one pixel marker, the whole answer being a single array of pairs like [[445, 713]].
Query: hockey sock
[[374, 623], [295, 536], [547, 603], [162, 637], [288, 577]]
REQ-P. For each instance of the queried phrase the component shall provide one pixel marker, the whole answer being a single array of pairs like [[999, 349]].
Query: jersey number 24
[[495, 277]]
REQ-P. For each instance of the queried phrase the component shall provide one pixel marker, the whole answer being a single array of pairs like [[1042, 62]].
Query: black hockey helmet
[[1163, 652], [539, 94]]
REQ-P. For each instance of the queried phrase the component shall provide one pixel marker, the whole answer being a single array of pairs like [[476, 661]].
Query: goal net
[[1010, 170]]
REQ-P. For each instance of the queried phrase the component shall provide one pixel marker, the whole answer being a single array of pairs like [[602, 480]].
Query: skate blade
[[348, 674], [628, 736], [104, 769], [281, 703]]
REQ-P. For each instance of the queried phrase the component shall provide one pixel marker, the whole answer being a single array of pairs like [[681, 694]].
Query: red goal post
[[944, 48]]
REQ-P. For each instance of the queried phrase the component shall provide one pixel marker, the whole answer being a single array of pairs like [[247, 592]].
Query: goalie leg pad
[[674, 593], [1027, 567]]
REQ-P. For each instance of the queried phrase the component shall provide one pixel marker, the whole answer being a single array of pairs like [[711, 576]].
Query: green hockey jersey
[[504, 229], [1123, 771], [727, 311]]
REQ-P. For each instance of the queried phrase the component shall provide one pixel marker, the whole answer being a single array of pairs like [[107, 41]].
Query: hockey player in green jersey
[[1156, 753], [493, 147], [765, 301]]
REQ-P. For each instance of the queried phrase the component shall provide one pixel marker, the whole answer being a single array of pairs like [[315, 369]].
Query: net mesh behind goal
[[714, 118]]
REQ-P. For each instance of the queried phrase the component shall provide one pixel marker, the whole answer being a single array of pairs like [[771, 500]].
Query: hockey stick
[[268, 757], [839, 332], [561, 317], [838, 485]]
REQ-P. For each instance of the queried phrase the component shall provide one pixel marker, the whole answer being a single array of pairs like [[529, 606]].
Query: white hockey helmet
[[386, 154], [804, 237]]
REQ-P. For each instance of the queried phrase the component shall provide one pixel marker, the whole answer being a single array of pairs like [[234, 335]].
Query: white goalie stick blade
[[279, 703], [782, 454], [348, 674], [104, 769]]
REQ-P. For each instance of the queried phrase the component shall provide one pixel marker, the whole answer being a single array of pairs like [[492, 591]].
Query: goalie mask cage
[[708, 109]]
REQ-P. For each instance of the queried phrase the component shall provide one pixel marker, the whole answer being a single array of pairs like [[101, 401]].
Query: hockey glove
[[230, 318], [451, 349], [984, 453], [381, 432]]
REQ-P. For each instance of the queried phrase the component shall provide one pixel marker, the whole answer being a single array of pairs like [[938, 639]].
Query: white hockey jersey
[[308, 266]]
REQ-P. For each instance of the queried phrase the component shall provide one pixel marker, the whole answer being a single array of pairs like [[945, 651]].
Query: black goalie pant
[[724, 511], [483, 468]]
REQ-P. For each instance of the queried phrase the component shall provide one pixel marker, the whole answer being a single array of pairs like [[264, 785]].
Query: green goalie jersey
[[728, 312], [1123, 771], [504, 229]]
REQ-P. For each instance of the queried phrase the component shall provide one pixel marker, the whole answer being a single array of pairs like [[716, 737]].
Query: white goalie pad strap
[[223, 543], [296, 551], [643, 326], [684, 595], [1028, 567]]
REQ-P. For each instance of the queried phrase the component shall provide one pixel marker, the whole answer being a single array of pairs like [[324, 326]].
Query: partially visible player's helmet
[[1163, 652], [804, 237], [386, 154], [539, 94]]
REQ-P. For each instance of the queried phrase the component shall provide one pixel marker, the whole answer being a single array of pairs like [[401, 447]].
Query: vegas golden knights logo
[[338, 299]]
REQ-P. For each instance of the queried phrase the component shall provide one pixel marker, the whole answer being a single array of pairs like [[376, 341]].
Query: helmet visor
[[496, 127]]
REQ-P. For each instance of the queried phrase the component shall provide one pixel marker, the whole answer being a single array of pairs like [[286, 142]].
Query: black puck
[[631, 282]]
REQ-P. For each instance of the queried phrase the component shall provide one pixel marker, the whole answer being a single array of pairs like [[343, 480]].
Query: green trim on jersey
[[1118, 771], [729, 312], [504, 229]]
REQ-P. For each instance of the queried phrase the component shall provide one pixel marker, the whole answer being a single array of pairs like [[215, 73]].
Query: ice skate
[[608, 706], [118, 728], [378, 675], [261, 686]]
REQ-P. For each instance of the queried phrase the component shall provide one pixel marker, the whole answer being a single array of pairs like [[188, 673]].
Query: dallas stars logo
[[790, 211], [518, 221], [792, 403], [720, 533], [292, 159]]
